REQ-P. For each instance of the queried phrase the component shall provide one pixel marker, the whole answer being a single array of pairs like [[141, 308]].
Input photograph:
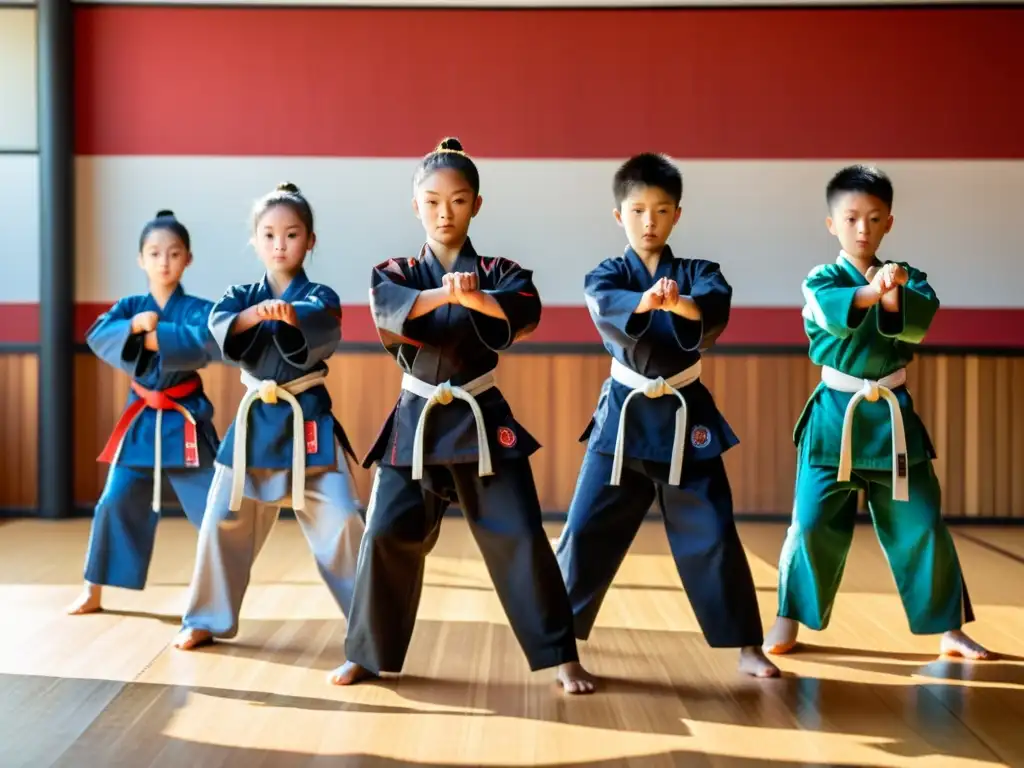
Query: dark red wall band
[[749, 326], [744, 83]]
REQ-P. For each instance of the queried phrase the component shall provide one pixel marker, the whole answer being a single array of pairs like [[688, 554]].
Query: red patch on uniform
[[191, 445], [700, 437], [312, 444], [506, 437]]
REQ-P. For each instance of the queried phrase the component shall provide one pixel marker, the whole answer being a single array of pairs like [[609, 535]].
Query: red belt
[[158, 400]]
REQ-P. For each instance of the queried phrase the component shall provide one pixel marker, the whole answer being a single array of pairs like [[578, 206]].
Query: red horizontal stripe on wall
[[741, 83], [749, 326]]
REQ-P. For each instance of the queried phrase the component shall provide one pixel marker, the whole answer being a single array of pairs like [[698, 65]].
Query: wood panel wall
[[973, 407]]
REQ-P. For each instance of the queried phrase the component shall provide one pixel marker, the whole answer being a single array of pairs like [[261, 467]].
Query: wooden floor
[[108, 690]]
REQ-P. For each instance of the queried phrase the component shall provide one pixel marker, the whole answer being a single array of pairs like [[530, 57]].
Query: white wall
[[763, 220], [19, 177]]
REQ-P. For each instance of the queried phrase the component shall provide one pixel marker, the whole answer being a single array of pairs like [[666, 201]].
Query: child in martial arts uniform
[[656, 433], [165, 434], [285, 448], [859, 431], [445, 316]]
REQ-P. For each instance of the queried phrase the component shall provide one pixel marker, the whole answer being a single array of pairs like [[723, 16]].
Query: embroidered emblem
[[700, 437], [506, 437]]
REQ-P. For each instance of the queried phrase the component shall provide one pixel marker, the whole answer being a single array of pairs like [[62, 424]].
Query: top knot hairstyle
[[865, 179], [647, 170], [164, 220], [287, 194], [448, 155]]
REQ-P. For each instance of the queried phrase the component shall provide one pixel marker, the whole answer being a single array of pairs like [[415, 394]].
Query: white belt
[[443, 394], [270, 391], [864, 389], [653, 388]]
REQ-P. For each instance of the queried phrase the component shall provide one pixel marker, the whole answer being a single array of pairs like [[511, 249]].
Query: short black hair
[[165, 220], [647, 169], [449, 154], [860, 178]]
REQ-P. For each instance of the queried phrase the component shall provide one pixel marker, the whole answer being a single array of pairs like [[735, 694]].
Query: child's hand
[[889, 277], [670, 291], [144, 322], [653, 298], [880, 281], [900, 276], [464, 287], [276, 309]]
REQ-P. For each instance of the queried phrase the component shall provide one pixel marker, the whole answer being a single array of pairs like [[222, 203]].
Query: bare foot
[[574, 679], [781, 638], [753, 662], [88, 601], [958, 645], [188, 639], [349, 673]]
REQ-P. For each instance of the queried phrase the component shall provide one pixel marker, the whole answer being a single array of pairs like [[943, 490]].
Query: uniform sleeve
[[518, 298], [188, 345], [318, 332], [917, 307], [392, 296], [829, 305], [243, 347], [612, 307], [111, 339], [712, 294]]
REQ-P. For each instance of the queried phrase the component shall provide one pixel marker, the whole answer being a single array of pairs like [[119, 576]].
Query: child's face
[[281, 240], [163, 258], [860, 221], [445, 204], [648, 214]]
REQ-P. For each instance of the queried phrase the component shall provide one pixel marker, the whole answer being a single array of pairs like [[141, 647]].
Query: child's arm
[[837, 309], [313, 329], [700, 318], [508, 312], [395, 302], [236, 326], [117, 337], [908, 309], [188, 345], [621, 316]]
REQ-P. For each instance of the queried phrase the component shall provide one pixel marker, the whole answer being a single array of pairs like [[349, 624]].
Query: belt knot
[[870, 391], [443, 393], [268, 391], [657, 388]]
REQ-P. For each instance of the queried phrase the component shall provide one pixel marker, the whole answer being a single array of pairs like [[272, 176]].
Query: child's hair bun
[[450, 144], [287, 186], [164, 214]]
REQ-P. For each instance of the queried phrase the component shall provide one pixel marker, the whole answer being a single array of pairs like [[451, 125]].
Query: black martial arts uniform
[[680, 466], [453, 347]]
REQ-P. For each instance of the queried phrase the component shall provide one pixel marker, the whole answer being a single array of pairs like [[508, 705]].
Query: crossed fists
[[276, 309], [664, 294], [461, 286], [144, 322], [888, 278]]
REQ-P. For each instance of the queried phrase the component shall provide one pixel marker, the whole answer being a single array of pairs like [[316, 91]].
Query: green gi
[[863, 354]]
